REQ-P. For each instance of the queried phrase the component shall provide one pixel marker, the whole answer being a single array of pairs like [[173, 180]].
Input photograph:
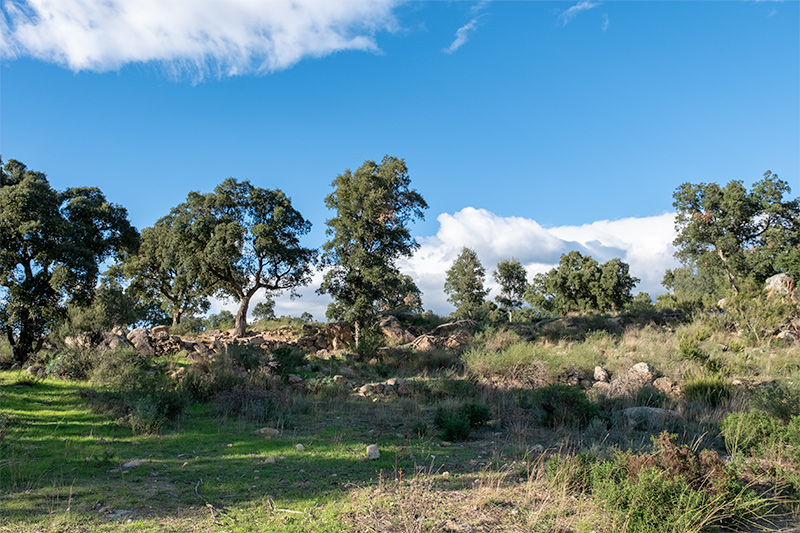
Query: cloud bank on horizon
[[645, 243], [223, 37]]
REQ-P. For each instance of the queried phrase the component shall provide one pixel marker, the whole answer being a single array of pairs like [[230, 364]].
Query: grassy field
[[525, 451]]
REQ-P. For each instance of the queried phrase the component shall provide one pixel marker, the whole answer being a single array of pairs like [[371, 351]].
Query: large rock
[[781, 286], [111, 341], [141, 341], [340, 334], [394, 330]]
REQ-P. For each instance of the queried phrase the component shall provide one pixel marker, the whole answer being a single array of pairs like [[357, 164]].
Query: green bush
[[560, 405], [288, 358], [756, 431], [520, 361], [780, 399], [457, 419], [443, 388], [674, 489]]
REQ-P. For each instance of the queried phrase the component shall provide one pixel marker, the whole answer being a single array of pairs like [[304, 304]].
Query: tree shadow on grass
[[57, 456]]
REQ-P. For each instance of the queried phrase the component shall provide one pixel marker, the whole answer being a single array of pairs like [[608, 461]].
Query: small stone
[[267, 432], [300, 448], [270, 460], [446, 443], [373, 452], [133, 464], [601, 374], [445, 474]]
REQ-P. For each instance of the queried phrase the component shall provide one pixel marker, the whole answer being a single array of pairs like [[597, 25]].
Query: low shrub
[[456, 419], [673, 489], [560, 405], [780, 399], [288, 358]]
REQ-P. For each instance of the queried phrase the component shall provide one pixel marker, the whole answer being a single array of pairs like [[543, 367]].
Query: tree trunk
[[357, 333], [176, 318], [241, 317], [731, 279]]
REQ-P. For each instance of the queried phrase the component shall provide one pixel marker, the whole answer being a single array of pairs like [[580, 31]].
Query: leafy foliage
[[164, 272], [512, 277], [579, 283], [244, 239], [736, 234], [464, 285], [368, 233], [51, 244]]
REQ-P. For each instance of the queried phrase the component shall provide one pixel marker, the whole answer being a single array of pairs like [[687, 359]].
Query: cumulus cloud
[[572, 12], [225, 37], [644, 243]]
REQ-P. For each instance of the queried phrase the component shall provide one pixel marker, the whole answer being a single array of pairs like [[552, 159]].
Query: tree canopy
[[464, 284], [161, 270], [513, 280], [579, 283], [244, 239], [737, 234], [369, 232], [51, 246]]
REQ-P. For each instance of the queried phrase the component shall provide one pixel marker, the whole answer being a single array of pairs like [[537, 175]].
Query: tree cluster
[[239, 240], [578, 283]]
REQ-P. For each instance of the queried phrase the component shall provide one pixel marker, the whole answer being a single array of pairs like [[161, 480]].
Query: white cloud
[[644, 243], [571, 13], [606, 22], [223, 37], [462, 35]]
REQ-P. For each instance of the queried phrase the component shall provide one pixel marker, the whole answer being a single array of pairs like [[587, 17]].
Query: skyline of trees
[[241, 239]]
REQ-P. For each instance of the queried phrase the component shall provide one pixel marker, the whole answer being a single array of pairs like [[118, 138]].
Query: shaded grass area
[[62, 467]]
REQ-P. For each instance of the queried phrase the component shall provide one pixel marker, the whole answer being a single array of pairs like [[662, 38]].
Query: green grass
[[60, 464]]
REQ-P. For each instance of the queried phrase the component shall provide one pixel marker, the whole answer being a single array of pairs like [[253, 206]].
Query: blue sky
[[530, 128]]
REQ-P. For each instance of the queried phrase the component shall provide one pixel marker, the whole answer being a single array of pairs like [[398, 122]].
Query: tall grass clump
[[521, 362], [674, 489]]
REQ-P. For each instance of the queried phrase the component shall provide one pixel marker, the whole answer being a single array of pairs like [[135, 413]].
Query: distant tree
[[579, 283], [738, 234], [164, 272], [244, 239], [265, 310], [368, 234], [305, 316], [112, 305], [51, 244], [464, 285], [222, 320], [513, 280]]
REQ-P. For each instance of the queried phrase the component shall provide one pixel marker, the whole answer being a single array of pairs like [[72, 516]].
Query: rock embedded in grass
[[373, 452], [267, 432]]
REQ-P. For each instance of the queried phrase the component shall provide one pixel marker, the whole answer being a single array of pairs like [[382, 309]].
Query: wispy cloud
[[585, 5], [462, 35], [220, 37], [604, 27]]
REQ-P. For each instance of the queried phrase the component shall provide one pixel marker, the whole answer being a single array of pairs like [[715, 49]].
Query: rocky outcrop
[[782, 286], [393, 330]]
